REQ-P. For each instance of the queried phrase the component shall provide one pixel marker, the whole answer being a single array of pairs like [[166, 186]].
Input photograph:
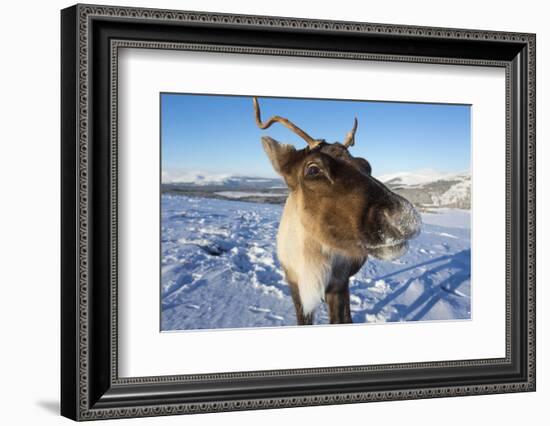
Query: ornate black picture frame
[[90, 385]]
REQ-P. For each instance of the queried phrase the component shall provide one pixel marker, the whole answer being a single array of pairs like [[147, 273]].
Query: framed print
[[263, 212]]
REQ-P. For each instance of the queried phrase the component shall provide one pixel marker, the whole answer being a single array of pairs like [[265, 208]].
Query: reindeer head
[[339, 203]]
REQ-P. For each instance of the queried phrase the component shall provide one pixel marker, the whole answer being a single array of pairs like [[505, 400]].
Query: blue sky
[[218, 134]]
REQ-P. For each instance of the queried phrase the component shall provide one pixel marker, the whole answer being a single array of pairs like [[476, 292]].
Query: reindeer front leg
[[337, 299], [301, 318]]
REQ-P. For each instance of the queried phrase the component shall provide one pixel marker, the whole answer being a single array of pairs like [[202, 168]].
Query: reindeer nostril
[[404, 220]]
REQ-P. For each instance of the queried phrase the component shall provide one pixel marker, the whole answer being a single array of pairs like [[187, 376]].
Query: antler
[[350, 137], [312, 143]]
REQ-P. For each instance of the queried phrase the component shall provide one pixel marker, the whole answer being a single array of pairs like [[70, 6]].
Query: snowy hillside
[[226, 180], [418, 177], [220, 270], [429, 188]]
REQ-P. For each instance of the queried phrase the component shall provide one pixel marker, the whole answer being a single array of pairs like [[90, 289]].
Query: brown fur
[[336, 215]]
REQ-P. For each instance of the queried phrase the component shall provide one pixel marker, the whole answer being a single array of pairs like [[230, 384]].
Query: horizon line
[[228, 175]]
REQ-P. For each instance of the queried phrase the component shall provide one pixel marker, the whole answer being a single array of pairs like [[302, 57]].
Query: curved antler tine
[[350, 137], [312, 143]]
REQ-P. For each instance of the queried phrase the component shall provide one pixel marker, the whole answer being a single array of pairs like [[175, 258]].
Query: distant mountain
[[228, 187], [416, 177], [225, 181], [425, 188], [429, 188]]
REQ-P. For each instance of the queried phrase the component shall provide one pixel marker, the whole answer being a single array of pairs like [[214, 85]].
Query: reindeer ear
[[282, 157]]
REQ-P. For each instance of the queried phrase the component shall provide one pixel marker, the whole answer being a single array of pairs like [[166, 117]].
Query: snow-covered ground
[[220, 270], [452, 218]]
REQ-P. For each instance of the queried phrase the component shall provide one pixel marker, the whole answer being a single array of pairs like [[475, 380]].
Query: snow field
[[219, 269]]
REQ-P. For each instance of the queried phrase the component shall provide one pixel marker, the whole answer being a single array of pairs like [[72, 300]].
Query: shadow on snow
[[433, 290]]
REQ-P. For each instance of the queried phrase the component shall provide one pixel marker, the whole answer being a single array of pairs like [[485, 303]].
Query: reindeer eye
[[312, 170]]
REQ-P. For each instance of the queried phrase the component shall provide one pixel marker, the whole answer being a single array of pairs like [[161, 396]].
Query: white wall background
[[29, 213]]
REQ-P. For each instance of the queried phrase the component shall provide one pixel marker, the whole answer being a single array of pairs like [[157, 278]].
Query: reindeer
[[335, 216]]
